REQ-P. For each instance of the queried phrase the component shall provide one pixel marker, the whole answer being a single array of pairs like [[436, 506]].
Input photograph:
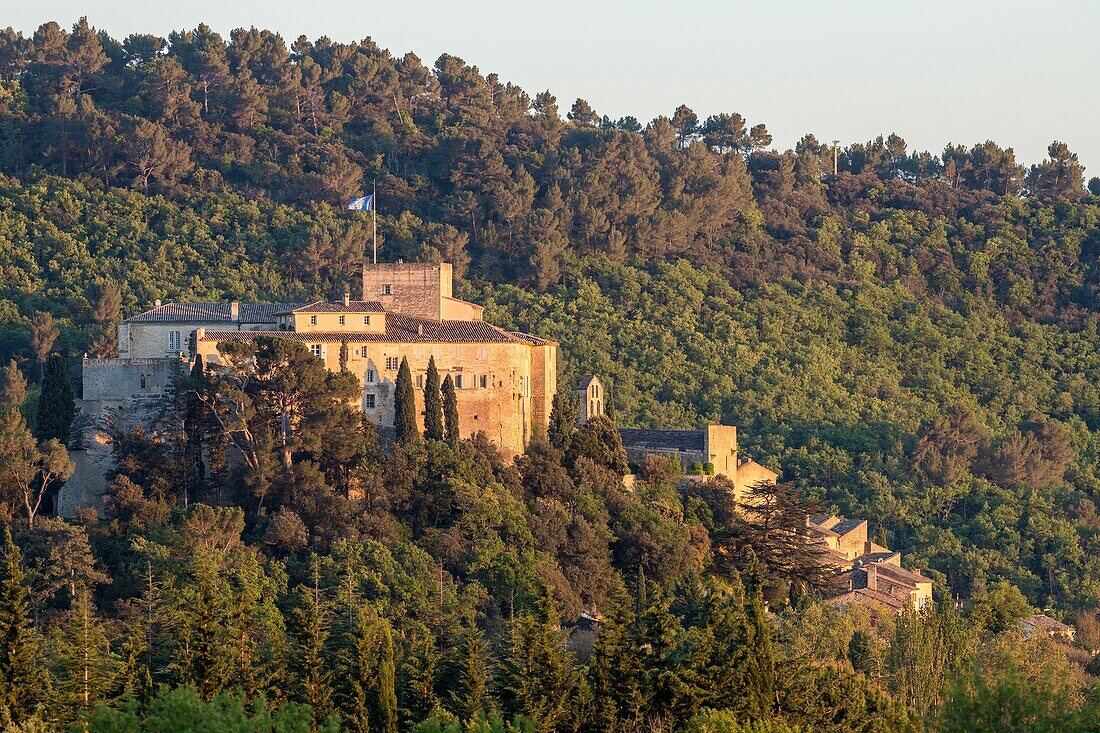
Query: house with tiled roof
[[505, 380], [1040, 623], [870, 574]]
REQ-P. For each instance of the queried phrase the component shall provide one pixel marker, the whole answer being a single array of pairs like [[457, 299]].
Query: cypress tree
[[758, 664], [404, 421], [450, 410], [344, 355], [23, 686], [433, 406], [384, 690], [563, 421], [56, 404], [368, 699]]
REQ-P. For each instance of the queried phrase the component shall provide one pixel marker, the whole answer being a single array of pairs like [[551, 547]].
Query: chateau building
[[504, 380]]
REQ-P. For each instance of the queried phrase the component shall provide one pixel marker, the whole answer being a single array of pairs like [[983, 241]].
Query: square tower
[[419, 289]]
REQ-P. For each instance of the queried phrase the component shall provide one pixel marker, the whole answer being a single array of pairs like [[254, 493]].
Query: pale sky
[[934, 71]]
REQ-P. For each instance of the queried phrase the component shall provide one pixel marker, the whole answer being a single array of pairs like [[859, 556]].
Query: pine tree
[[206, 657], [450, 410], [369, 700], [309, 666], [56, 404], [470, 688], [433, 407], [80, 649], [23, 684], [616, 676], [13, 387], [420, 673], [537, 676], [404, 421]]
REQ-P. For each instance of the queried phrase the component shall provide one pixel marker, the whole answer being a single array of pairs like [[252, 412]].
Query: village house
[[871, 574], [1042, 624]]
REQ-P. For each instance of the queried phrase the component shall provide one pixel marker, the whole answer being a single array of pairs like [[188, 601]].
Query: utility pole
[[836, 156]]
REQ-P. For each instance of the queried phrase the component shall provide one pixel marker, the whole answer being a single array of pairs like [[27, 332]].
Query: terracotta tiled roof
[[899, 574], [678, 440], [399, 329], [323, 306], [875, 558], [1042, 621], [211, 313], [533, 340], [844, 526]]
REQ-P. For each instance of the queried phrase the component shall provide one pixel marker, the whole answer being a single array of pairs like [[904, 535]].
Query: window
[[368, 401], [363, 351], [174, 341], [370, 377], [313, 320], [458, 381], [144, 382], [420, 381], [316, 350], [366, 320], [392, 362], [484, 381], [341, 320], [387, 289]]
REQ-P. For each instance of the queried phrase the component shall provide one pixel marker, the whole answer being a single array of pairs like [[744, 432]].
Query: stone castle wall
[[507, 408], [115, 379]]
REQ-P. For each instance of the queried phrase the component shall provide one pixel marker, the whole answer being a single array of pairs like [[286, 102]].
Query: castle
[[504, 380]]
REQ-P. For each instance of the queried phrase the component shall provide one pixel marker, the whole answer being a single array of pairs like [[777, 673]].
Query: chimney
[[156, 303], [200, 333], [235, 311], [420, 330], [347, 299]]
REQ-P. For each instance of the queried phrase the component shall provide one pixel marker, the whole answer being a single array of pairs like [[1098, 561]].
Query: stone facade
[[591, 399], [503, 388], [872, 573], [505, 381], [423, 290], [714, 444]]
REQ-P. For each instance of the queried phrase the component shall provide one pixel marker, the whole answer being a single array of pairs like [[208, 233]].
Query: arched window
[[144, 381]]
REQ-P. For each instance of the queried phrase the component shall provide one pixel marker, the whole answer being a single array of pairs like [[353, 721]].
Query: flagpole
[[374, 217]]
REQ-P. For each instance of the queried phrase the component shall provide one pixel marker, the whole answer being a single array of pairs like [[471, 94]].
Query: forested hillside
[[915, 339]]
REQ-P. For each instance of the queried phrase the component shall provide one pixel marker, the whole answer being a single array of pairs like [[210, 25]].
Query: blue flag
[[365, 203]]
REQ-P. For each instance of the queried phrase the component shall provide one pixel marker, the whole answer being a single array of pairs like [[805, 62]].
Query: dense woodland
[[915, 340]]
